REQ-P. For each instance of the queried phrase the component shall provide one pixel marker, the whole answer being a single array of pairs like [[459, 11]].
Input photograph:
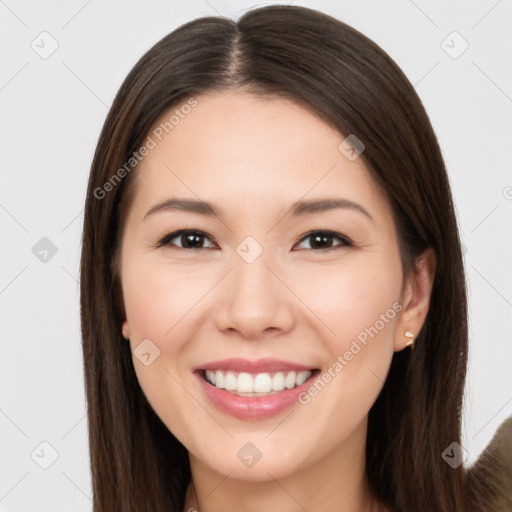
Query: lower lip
[[252, 408]]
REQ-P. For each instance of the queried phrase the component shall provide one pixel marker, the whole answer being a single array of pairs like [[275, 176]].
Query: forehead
[[243, 126], [249, 151]]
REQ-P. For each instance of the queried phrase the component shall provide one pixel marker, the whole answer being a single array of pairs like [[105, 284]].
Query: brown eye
[[188, 239], [323, 240]]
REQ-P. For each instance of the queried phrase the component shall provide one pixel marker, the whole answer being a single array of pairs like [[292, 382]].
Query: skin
[[253, 157]]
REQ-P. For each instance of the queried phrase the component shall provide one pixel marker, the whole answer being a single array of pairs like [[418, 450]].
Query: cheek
[[357, 307], [357, 299], [158, 300], [158, 305], [360, 306], [162, 304]]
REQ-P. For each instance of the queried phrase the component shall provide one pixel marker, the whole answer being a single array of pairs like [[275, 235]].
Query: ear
[[119, 302], [126, 330], [415, 298]]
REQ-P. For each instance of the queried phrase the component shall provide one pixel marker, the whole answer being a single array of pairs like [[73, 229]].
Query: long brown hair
[[351, 83]]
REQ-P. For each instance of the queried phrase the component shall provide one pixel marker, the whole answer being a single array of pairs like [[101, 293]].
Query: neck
[[335, 483]]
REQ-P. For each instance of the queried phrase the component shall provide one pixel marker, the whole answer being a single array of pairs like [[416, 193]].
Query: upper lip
[[258, 366]]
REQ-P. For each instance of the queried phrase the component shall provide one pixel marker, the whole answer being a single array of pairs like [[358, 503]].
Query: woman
[[272, 286]]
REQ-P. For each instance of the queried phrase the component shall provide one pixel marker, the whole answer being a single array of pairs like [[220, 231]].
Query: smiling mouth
[[256, 384]]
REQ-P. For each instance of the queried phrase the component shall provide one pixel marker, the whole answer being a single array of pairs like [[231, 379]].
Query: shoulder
[[489, 479]]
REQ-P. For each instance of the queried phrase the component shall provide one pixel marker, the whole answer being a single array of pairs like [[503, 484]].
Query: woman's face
[[261, 297]]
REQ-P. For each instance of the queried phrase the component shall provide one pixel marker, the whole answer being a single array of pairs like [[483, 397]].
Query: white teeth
[[289, 381], [219, 379], [302, 377], [244, 383], [278, 381], [230, 381], [262, 383]]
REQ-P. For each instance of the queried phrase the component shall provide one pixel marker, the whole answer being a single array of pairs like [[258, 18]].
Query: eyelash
[[345, 242]]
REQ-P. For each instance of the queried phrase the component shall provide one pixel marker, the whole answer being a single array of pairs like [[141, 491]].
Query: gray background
[[53, 107]]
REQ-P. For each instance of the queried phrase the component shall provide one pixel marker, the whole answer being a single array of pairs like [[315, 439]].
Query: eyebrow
[[299, 208]]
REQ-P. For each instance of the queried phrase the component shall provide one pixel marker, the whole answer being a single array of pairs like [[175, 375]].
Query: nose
[[254, 301]]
